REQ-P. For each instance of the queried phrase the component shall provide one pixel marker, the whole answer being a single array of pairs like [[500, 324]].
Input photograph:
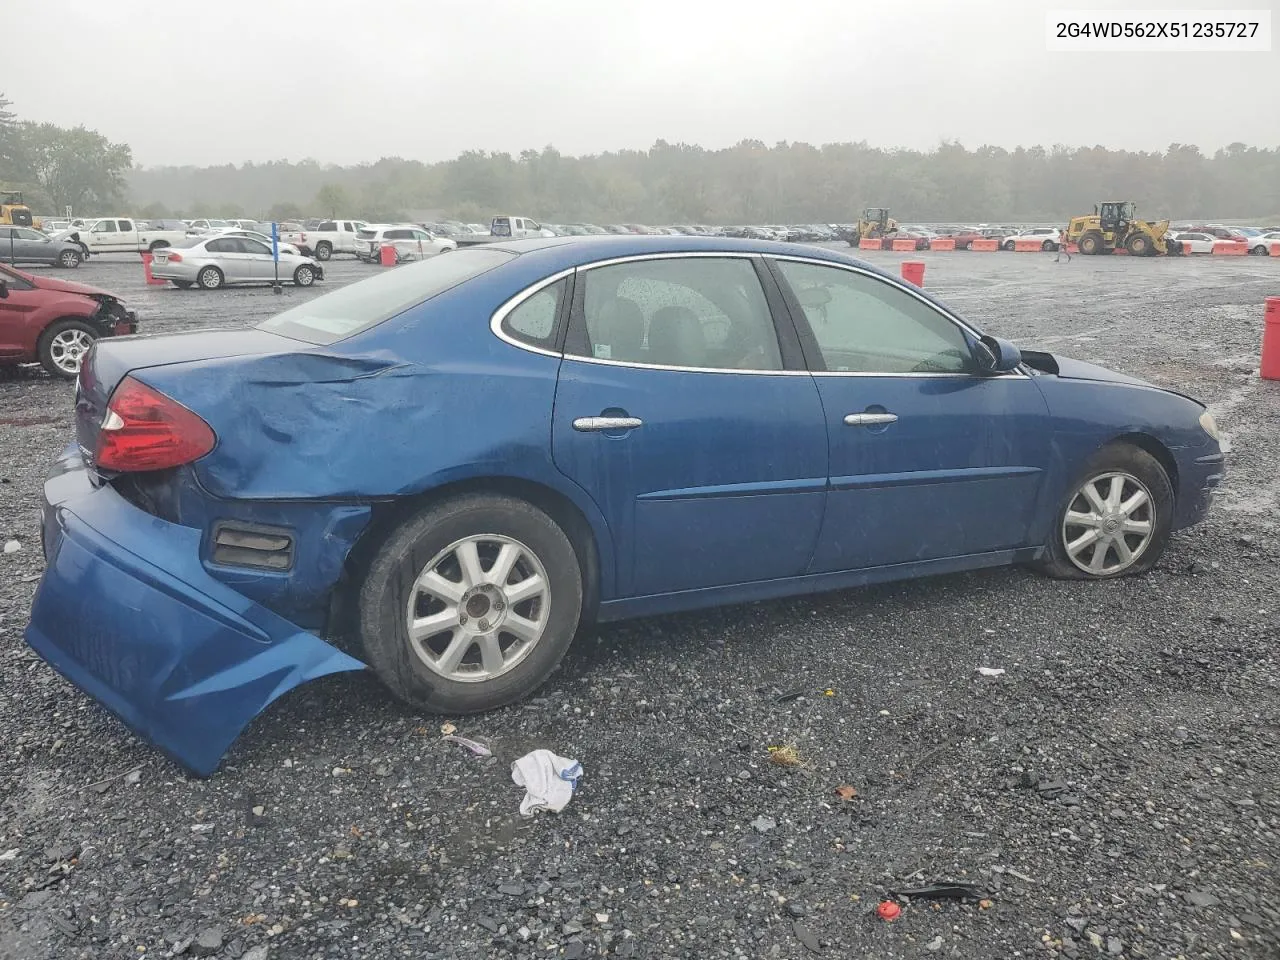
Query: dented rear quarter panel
[[426, 399]]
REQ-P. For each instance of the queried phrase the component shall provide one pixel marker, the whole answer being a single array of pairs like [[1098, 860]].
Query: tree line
[[749, 182]]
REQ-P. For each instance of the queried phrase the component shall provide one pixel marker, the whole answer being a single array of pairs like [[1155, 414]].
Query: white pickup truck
[[121, 235], [505, 228], [330, 237]]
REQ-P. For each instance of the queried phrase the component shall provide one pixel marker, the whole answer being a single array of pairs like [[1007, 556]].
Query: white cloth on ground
[[549, 781]]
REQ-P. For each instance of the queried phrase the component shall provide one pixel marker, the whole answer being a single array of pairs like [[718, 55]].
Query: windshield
[[362, 305]]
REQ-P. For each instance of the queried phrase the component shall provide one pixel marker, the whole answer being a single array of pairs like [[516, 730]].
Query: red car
[[965, 237], [55, 322]]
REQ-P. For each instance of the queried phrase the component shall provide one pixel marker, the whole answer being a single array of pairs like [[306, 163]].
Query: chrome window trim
[[499, 315], [495, 322]]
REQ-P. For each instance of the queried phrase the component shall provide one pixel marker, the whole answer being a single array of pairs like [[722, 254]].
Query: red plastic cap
[[145, 430], [888, 910]]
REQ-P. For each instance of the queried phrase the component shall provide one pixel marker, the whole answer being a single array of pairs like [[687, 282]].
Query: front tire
[[69, 259], [304, 276], [1007, 245], [210, 278], [470, 604], [1048, 246], [1115, 520], [1139, 246], [62, 347], [324, 251]]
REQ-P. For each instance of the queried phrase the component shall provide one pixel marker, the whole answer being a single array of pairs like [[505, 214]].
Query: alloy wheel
[[478, 608], [1108, 524], [67, 349]]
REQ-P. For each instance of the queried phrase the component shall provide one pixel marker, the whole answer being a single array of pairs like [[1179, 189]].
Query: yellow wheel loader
[[12, 210], [874, 223], [1114, 225]]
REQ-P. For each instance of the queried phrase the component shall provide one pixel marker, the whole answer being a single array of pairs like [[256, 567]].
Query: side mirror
[[996, 355], [4, 290]]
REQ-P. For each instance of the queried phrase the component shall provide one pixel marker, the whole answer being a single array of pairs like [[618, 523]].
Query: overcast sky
[[344, 81]]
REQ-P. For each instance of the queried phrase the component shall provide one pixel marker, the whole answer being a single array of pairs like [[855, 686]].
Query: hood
[[1080, 370], [1070, 369], [70, 286]]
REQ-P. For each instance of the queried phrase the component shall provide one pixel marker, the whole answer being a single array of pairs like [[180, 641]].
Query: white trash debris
[[991, 671], [549, 781], [479, 749], [12, 546]]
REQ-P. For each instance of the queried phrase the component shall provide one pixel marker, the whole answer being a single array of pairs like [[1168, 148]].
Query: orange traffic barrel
[[913, 272], [1270, 369]]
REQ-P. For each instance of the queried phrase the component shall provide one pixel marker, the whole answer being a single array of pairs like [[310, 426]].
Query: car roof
[[565, 252]]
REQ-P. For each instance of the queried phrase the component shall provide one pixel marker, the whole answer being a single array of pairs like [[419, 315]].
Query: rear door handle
[[597, 424], [869, 419]]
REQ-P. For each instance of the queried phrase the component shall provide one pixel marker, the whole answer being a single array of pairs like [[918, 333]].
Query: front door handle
[[598, 424], [870, 419]]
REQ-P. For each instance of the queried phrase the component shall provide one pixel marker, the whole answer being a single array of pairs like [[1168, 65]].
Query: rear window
[[367, 234], [362, 305], [501, 227]]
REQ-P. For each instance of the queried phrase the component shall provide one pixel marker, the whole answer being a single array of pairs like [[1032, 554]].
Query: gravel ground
[[1114, 792]]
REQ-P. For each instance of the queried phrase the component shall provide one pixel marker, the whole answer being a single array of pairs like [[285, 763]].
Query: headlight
[[1209, 426]]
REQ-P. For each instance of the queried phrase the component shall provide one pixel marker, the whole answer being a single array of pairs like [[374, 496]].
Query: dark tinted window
[[223, 245], [249, 245], [534, 320], [327, 225], [865, 325], [680, 312], [398, 235], [362, 305]]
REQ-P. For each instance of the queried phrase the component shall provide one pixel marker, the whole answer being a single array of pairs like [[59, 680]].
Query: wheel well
[[1149, 444], [156, 244], [389, 515]]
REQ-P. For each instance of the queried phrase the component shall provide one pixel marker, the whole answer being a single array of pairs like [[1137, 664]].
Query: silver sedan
[[212, 262], [28, 245]]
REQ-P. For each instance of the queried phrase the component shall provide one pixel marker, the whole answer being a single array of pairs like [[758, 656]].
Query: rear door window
[[678, 312]]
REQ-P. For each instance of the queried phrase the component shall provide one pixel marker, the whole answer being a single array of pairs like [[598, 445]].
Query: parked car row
[[1202, 239]]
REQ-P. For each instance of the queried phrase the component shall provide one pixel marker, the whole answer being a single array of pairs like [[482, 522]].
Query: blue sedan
[[454, 465]]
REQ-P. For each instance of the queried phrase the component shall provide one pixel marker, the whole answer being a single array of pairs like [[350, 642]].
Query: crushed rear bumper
[[127, 613]]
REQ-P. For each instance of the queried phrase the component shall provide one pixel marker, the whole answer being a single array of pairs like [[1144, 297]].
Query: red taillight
[[172, 257], [145, 430]]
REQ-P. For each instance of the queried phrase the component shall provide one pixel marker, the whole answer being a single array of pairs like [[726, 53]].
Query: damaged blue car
[[443, 471]]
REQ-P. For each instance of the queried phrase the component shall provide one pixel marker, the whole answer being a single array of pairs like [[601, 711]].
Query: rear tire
[[1077, 515], [1091, 244], [1049, 246], [209, 278], [62, 347], [304, 276], [1261, 250], [422, 560], [324, 251], [1007, 245]]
